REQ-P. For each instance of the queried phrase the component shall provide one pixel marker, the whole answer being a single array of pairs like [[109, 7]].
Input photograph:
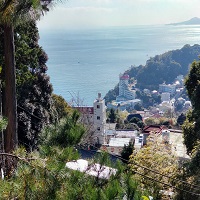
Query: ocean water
[[84, 62]]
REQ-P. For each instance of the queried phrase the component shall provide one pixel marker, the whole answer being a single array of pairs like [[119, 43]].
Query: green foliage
[[190, 174], [157, 157], [137, 121], [33, 85], [165, 67], [191, 126], [112, 94], [148, 99], [43, 175], [181, 118], [65, 133], [138, 107], [37, 177], [127, 151], [61, 107], [191, 132], [112, 116], [134, 120], [190, 136], [151, 121], [3, 123]]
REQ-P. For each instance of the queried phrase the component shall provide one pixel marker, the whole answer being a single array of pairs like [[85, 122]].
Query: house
[[96, 117], [152, 129], [115, 143]]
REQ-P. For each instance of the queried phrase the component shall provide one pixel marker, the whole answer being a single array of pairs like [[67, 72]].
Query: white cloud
[[95, 13]]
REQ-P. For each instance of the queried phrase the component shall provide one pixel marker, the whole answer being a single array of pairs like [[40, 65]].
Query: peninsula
[[193, 21]]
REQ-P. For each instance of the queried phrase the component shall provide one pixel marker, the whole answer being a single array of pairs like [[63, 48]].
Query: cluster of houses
[[109, 139], [170, 93]]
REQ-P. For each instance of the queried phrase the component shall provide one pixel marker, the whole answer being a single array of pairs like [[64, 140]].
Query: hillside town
[[107, 135]]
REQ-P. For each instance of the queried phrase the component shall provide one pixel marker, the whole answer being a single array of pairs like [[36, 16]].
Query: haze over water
[[85, 62]]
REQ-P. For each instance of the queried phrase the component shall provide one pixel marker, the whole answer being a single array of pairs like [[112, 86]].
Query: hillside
[[193, 21], [161, 68]]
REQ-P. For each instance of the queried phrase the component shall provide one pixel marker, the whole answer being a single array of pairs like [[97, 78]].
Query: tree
[[151, 121], [43, 174], [181, 118], [153, 164], [138, 107], [11, 13], [191, 126], [61, 107], [112, 116], [65, 133], [191, 131], [34, 91], [127, 151], [134, 120]]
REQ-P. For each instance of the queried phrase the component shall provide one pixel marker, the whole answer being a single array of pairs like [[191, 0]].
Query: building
[[165, 96], [125, 91], [115, 143], [96, 117], [87, 114], [152, 129], [123, 105], [167, 88], [99, 114]]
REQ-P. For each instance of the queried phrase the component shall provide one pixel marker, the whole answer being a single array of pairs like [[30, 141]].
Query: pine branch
[[17, 157]]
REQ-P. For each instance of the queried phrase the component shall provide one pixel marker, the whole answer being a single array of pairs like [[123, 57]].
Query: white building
[[165, 96], [125, 92], [167, 88], [95, 117], [99, 117]]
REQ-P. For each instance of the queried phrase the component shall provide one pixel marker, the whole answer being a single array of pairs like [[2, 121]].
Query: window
[[98, 106], [98, 128], [98, 117]]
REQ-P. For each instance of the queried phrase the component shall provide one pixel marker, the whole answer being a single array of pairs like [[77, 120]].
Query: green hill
[[161, 68]]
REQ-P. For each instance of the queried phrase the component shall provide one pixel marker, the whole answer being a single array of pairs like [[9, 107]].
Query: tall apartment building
[[125, 93]]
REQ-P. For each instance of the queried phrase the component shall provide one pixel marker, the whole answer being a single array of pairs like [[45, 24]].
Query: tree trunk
[[10, 103]]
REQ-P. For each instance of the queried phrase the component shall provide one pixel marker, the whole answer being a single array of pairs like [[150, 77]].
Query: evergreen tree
[[34, 90], [181, 119], [191, 126], [191, 130], [43, 174], [112, 116], [127, 151], [11, 13]]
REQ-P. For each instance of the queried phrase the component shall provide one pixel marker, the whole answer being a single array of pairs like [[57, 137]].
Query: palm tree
[[11, 13]]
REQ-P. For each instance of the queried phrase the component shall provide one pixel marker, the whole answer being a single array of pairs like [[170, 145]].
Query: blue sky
[[81, 14]]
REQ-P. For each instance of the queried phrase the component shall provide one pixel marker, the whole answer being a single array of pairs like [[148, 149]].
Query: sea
[[83, 63]]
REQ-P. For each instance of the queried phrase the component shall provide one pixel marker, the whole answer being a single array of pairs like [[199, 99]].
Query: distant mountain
[[193, 21]]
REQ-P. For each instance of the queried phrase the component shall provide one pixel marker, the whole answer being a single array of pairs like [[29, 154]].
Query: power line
[[196, 194], [156, 172]]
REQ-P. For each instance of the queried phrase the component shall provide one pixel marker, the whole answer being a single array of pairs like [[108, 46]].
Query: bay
[[84, 62]]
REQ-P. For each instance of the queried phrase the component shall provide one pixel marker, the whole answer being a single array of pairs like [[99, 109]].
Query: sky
[[83, 14]]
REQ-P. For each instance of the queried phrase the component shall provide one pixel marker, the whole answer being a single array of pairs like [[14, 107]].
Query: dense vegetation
[[50, 130], [191, 128], [161, 68]]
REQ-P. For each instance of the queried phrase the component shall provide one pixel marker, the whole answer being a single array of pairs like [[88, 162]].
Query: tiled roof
[[153, 128]]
